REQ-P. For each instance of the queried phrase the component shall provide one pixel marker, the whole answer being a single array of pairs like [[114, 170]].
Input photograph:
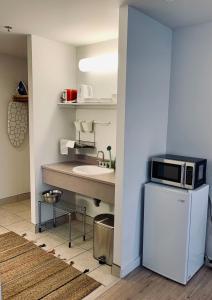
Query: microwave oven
[[180, 171]]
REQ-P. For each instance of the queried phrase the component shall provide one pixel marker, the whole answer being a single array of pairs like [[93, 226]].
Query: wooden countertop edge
[[52, 167]]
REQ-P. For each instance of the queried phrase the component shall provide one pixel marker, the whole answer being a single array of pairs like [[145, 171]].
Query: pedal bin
[[103, 238]]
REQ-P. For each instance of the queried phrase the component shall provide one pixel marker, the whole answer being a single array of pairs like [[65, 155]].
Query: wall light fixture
[[106, 63]]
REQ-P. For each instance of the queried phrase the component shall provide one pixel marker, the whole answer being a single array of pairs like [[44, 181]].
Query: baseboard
[[130, 267], [15, 198], [208, 262], [116, 270]]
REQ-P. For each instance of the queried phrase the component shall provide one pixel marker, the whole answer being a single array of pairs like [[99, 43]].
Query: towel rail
[[102, 123]]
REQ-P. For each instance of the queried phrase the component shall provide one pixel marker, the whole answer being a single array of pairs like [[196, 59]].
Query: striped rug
[[28, 272]]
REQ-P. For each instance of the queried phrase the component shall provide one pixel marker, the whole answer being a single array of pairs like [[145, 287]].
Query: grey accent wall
[[190, 110], [146, 117]]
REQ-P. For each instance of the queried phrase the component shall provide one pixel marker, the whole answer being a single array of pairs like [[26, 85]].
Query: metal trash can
[[103, 238]]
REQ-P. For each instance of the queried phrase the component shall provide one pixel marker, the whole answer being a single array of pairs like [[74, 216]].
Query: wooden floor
[[143, 284]]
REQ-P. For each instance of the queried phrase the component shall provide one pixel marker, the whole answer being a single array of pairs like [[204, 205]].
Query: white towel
[[64, 145], [63, 148], [70, 144], [87, 126]]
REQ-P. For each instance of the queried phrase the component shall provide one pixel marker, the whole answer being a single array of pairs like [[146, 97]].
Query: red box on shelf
[[69, 95]]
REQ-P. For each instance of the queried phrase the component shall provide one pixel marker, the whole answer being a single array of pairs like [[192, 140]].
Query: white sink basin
[[91, 170]]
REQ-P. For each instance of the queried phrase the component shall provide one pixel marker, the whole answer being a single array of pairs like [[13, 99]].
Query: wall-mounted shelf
[[88, 105], [20, 98]]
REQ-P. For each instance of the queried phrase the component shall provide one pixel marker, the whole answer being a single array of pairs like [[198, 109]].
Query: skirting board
[[15, 198], [116, 270], [130, 267]]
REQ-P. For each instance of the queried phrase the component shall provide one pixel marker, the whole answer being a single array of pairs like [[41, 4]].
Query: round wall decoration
[[17, 122]]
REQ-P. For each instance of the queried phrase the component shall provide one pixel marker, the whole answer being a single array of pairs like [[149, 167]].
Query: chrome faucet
[[103, 156], [101, 162]]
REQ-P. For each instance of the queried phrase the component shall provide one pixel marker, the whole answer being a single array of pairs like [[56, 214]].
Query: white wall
[[51, 69], [105, 135], [190, 110], [14, 162], [104, 85], [145, 127], [120, 135]]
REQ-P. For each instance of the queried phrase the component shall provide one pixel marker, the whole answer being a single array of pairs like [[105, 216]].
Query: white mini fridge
[[174, 230]]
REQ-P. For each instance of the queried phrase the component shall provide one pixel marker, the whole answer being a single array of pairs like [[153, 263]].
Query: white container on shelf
[[85, 92]]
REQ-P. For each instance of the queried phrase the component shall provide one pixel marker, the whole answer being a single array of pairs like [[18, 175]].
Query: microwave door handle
[[182, 182], [185, 172]]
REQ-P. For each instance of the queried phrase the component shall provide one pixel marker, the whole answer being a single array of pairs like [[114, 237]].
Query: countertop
[[67, 168]]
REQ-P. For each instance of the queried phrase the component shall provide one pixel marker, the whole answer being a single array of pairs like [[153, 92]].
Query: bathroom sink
[[91, 170]]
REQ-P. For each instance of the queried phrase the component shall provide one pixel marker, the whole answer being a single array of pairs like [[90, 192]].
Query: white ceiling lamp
[[107, 63]]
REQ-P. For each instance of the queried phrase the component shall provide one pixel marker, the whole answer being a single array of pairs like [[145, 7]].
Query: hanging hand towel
[[64, 145], [63, 148]]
